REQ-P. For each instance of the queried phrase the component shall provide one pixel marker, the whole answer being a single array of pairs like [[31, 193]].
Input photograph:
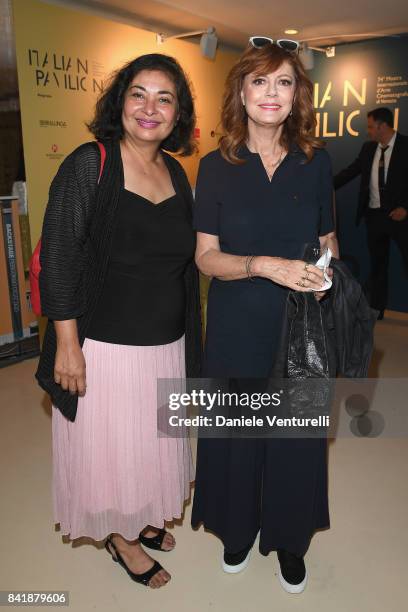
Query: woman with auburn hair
[[260, 197]]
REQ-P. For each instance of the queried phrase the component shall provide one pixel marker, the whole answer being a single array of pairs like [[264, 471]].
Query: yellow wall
[[104, 46]]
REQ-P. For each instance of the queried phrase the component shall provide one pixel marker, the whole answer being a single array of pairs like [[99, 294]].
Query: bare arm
[[330, 241], [69, 369], [211, 261]]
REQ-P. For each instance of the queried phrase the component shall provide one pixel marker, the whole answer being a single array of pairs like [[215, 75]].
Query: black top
[[254, 215], [143, 297], [396, 187], [76, 240]]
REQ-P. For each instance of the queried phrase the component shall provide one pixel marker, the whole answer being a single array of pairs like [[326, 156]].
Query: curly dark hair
[[107, 122]]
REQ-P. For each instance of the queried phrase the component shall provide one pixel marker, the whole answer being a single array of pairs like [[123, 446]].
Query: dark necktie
[[381, 176]]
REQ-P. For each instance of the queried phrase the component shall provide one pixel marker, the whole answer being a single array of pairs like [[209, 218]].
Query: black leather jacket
[[321, 340], [327, 338]]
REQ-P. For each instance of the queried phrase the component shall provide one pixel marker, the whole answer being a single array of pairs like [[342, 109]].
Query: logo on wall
[[52, 123], [389, 89], [56, 71], [54, 152]]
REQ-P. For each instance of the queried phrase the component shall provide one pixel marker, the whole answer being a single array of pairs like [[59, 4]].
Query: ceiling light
[[291, 31], [208, 41]]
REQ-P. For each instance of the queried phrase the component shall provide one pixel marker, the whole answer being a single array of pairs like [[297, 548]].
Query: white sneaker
[[235, 568], [292, 588], [292, 572]]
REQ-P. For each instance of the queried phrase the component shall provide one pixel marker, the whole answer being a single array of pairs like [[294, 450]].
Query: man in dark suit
[[383, 198]]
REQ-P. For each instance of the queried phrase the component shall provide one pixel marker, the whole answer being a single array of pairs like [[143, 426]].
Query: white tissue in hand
[[323, 263]]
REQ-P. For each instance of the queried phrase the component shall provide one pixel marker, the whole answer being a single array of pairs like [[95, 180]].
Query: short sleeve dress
[[277, 487], [253, 215]]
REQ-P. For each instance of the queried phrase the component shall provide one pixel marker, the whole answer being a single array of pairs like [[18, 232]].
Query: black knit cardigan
[[75, 248]]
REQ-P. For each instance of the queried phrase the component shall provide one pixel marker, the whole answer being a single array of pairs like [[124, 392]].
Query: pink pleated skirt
[[112, 472]]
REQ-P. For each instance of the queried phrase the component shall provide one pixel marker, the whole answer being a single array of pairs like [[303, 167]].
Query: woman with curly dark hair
[[260, 197], [120, 289]]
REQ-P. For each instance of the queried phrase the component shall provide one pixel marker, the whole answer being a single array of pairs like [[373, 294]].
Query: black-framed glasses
[[284, 43]]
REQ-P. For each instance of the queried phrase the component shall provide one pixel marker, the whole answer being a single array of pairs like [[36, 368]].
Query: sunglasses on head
[[284, 43]]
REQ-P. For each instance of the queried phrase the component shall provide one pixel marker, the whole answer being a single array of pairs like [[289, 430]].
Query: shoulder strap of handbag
[[102, 151], [35, 265]]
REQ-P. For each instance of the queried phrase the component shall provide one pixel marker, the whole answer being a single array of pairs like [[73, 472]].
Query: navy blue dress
[[253, 215]]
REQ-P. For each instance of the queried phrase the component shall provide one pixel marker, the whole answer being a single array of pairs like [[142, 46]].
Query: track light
[[208, 42]]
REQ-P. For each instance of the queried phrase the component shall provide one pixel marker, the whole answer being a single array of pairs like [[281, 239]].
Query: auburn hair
[[298, 128]]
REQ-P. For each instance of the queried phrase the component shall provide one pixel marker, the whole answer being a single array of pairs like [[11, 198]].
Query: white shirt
[[374, 192]]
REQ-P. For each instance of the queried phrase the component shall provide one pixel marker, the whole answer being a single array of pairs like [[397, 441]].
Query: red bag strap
[[102, 151]]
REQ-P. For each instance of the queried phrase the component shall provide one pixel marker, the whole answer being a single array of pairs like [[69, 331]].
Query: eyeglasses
[[284, 43]]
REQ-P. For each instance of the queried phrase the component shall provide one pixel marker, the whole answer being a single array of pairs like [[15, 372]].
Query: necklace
[[273, 163], [272, 166], [278, 161]]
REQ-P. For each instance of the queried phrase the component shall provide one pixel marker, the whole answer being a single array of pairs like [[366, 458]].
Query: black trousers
[[275, 486], [381, 229]]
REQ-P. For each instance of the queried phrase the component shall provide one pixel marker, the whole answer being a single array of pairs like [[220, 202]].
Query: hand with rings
[[303, 281], [292, 273]]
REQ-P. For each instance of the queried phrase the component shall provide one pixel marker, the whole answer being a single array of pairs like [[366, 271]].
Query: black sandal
[[155, 542], [140, 578]]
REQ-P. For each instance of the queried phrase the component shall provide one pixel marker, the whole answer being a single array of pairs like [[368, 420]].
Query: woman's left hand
[[320, 294]]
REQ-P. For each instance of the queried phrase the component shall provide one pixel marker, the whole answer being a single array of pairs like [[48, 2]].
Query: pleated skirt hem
[[112, 472], [66, 530]]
